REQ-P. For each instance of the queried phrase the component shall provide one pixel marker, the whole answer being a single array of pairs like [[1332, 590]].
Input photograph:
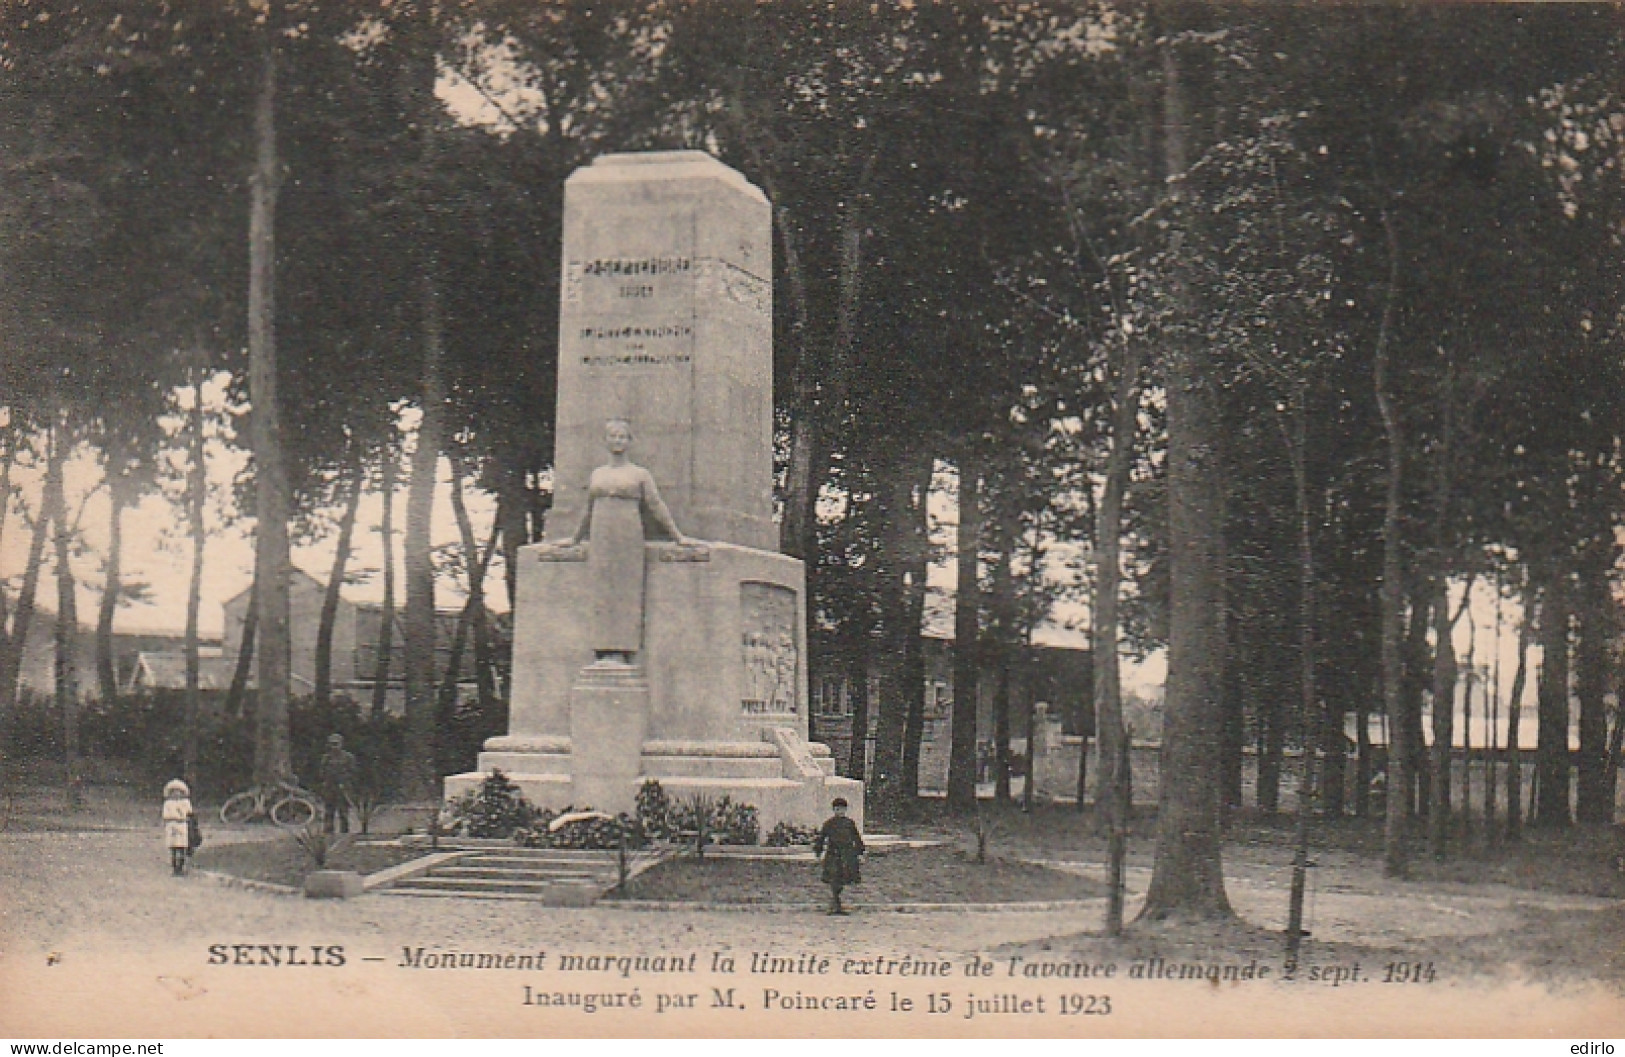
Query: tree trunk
[[1444, 650], [1002, 607], [1395, 854], [1029, 777], [513, 502], [1415, 682], [197, 494], [8, 434], [450, 748], [1001, 722], [1467, 683], [271, 565], [1105, 631], [810, 449], [420, 779], [65, 668], [1362, 766], [118, 499], [1308, 700], [902, 679], [857, 679], [1187, 879], [335, 584], [11, 657], [476, 565], [1616, 741], [1597, 628], [1526, 628], [245, 655], [1552, 804], [891, 720], [1271, 749], [1444, 710], [386, 614], [918, 557], [8, 458], [967, 632], [797, 531], [1235, 715], [1492, 722]]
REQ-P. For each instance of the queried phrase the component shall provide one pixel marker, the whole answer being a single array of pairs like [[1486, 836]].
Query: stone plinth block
[[609, 709], [333, 884], [724, 643]]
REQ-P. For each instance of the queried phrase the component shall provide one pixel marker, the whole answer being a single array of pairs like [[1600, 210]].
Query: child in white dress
[[177, 813]]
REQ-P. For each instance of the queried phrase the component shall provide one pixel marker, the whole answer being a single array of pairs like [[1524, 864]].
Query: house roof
[[165, 670], [367, 607]]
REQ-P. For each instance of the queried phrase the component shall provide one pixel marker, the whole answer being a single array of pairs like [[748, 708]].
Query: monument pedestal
[[716, 703], [609, 705]]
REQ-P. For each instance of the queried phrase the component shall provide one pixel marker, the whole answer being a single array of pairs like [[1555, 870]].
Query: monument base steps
[[783, 776], [556, 877]]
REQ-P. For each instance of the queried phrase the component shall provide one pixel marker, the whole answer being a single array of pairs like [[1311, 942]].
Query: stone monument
[[658, 633]]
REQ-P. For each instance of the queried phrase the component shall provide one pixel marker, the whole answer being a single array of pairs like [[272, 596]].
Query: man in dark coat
[[839, 844], [335, 781]]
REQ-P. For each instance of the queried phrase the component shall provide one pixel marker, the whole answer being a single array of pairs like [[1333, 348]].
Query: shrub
[[318, 844], [496, 809], [790, 835], [733, 823], [143, 736], [654, 810], [706, 819], [368, 800], [694, 816]]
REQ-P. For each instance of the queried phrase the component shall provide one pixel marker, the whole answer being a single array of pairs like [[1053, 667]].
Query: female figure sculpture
[[619, 494]]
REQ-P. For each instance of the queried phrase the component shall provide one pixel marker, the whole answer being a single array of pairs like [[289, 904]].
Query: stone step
[[453, 893], [495, 872], [556, 877], [509, 849], [579, 860], [480, 884]]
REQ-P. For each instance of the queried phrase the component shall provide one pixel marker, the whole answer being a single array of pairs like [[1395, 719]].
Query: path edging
[[233, 881]]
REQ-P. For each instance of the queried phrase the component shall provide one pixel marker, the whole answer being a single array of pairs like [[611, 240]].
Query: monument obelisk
[[658, 633]]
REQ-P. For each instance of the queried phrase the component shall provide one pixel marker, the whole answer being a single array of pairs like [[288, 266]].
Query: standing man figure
[[336, 777], [839, 844]]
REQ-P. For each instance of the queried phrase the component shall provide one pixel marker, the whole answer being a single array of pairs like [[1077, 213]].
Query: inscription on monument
[[628, 277], [768, 643]]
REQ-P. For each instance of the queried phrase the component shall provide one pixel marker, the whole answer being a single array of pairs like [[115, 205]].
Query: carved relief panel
[[768, 649]]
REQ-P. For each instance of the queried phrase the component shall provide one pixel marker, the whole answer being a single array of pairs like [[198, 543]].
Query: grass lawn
[[281, 861], [916, 875]]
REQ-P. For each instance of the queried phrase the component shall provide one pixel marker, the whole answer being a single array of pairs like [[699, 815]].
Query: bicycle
[[285, 804]]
